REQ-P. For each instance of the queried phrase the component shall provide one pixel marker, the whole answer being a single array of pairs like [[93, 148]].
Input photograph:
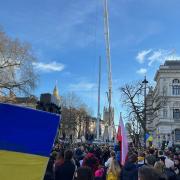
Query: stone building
[[165, 127], [49, 102], [88, 127], [109, 128], [27, 101]]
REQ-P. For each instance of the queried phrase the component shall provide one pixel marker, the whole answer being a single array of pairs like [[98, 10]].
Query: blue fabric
[[27, 130], [118, 156], [146, 136]]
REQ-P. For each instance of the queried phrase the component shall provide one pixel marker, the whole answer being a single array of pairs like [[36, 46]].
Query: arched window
[[176, 87]]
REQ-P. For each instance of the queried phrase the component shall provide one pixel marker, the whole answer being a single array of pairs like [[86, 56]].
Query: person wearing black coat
[[130, 169], [67, 169]]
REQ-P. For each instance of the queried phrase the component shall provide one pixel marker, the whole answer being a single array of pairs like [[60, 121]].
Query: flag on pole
[[148, 137], [26, 140], [121, 137]]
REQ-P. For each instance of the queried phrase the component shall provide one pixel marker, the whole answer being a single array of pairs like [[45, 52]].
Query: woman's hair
[[114, 168], [159, 166], [113, 154], [84, 173]]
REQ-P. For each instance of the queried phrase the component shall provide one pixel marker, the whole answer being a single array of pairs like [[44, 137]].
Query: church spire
[[56, 92]]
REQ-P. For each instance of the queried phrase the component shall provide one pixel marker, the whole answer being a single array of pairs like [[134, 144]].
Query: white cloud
[[162, 55], [49, 67], [154, 56], [142, 71], [141, 55], [82, 86], [158, 56]]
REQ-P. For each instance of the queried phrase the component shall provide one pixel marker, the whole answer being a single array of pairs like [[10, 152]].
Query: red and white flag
[[121, 137]]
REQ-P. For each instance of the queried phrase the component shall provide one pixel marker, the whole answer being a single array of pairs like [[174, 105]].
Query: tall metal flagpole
[[107, 39], [99, 94]]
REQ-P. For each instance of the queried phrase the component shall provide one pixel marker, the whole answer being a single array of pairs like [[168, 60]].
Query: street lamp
[[145, 83]]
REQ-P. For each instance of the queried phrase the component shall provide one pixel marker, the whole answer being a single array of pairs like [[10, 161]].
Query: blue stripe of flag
[[27, 130]]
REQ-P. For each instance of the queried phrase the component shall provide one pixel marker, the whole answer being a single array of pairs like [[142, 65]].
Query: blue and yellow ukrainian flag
[[148, 137], [26, 140]]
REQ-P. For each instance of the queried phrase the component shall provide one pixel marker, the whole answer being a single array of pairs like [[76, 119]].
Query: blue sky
[[68, 37]]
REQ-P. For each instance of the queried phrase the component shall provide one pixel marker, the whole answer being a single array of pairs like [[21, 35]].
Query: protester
[[60, 160], [66, 170], [140, 159], [168, 162], [130, 169], [49, 174], [100, 174], [84, 173], [150, 160], [159, 166], [149, 173], [114, 170], [112, 157], [177, 167], [91, 161], [105, 154]]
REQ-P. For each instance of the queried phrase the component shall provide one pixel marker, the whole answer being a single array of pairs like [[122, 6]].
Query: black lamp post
[[145, 130]]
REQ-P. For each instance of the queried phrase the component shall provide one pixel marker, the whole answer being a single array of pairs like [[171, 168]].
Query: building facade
[[165, 125]]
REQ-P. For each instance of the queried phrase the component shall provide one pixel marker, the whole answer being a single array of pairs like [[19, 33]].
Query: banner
[[26, 140]]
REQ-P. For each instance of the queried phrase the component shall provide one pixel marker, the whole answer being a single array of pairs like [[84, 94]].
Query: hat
[[99, 172]]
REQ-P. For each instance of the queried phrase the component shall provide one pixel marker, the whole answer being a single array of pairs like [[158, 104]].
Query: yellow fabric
[[110, 176], [150, 139], [140, 158], [21, 166]]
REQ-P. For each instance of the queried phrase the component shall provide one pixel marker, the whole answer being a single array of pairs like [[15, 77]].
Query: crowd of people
[[102, 162]]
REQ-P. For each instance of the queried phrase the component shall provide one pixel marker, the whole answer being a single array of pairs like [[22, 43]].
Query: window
[[164, 113], [175, 81], [176, 89], [176, 114], [177, 135]]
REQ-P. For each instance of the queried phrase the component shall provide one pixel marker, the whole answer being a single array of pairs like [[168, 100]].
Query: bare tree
[[133, 99], [17, 75], [74, 114]]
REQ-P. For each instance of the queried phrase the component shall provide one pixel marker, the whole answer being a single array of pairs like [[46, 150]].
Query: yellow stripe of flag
[[21, 166]]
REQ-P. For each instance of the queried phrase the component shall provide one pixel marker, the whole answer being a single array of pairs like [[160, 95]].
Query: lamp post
[[145, 130]]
